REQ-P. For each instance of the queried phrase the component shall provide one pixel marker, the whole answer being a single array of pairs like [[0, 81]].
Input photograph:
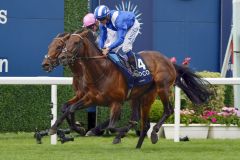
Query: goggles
[[101, 19]]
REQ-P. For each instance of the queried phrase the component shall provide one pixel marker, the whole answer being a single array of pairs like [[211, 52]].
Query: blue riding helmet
[[101, 12]]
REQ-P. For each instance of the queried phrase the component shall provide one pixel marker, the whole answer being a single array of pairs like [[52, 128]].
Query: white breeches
[[130, 37]]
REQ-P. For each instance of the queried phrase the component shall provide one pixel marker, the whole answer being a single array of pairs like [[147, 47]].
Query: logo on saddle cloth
[[144, 75]]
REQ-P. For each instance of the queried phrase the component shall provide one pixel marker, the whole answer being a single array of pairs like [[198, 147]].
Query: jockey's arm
[[102, 36], [121, 33]]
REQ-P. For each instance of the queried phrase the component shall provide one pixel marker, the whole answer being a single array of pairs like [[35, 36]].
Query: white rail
[[229, 81], [53, 81]]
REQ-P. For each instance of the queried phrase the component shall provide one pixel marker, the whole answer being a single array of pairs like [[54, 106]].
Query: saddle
[[140, 77]]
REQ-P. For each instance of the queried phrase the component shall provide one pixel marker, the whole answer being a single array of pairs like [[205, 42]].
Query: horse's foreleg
[[145, 124], [135, 116], [99, 129], [63, 110], [71, 109], [53, 129], [168, 110], [114, 115], [80, 130], [145, 106], [71, 119]]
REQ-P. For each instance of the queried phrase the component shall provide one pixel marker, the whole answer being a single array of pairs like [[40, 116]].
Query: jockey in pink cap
[[91, 23]]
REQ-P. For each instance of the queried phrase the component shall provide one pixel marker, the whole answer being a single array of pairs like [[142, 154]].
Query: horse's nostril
[[45, 66]]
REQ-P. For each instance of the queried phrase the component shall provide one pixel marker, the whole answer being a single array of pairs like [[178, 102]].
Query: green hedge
[[24, 107]]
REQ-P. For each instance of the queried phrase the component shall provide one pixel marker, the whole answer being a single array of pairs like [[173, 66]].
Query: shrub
[[156, 111], [229, 101], [103, 113]]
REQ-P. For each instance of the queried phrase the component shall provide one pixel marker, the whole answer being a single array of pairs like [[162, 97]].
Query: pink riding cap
[[89, 20]]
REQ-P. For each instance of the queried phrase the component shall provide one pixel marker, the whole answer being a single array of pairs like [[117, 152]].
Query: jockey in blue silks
[[126, 26]]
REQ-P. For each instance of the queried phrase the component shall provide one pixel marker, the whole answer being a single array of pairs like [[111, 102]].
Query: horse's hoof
[[90, 133], [154, 137], [116, 140], [52, 131], [82, 131]]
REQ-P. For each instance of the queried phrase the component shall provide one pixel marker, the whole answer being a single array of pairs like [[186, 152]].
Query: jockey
[[92, 24], [126, 26]]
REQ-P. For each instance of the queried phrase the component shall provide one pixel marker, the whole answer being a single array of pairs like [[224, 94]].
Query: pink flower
[[214, 120], [173, 60], [186, 61]]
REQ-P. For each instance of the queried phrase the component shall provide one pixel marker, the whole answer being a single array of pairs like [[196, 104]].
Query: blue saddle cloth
[[144, 74]]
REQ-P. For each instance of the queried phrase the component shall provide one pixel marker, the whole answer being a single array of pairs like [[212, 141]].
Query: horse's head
[[50, 60], [76, 47]]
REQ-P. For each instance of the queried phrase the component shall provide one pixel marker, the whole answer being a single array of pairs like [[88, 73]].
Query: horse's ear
[[66, 37]]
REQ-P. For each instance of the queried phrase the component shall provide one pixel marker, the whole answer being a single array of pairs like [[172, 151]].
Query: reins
[[92, 58], [87, 58]]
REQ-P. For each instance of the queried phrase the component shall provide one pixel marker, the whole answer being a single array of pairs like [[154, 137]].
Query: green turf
[[22, 146]]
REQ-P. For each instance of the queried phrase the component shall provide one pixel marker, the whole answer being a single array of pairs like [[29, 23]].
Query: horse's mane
[[89, 36]]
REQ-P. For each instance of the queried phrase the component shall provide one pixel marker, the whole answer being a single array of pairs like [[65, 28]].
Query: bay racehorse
[[106, 85], [51, 61]]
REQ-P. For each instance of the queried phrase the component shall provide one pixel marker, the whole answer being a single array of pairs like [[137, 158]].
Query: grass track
[[22, 146]]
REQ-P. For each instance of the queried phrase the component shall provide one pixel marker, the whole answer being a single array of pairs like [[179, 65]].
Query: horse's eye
[[59, 48]]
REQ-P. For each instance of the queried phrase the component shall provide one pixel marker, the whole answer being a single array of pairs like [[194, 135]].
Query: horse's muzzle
[[46, 67]]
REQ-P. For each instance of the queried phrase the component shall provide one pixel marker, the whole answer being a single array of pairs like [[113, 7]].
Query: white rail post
[[236, 49], [227, 56], [54, 111], [177, 114]]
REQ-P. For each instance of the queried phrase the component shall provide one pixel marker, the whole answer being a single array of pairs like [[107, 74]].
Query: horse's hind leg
[[168, 110]]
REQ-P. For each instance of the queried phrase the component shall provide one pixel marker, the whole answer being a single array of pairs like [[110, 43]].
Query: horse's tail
[[196, 88]]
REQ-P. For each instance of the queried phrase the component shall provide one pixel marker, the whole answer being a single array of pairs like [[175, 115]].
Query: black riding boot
[[132, 62]]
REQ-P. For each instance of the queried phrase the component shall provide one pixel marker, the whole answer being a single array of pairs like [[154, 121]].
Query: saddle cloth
[[144, 75]]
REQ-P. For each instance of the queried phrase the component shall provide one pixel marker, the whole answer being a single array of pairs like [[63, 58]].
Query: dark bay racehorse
[[106, 85], [51, 61]]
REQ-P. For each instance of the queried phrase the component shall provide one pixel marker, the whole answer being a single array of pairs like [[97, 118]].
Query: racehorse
[[106, 85], [51, 61]]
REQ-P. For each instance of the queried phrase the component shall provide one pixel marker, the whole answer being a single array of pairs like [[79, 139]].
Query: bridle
[[53, 62], [76, 56]]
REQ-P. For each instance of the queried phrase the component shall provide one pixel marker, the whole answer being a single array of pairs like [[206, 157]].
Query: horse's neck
[[94, 68], [76, 69]]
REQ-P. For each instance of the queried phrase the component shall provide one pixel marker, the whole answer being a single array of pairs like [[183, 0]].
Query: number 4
[[141, 64]]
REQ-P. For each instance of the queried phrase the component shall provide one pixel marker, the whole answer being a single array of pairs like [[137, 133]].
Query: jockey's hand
[[105, 51]]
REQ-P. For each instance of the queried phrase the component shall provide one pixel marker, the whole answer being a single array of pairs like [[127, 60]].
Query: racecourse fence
[[54, 81]]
